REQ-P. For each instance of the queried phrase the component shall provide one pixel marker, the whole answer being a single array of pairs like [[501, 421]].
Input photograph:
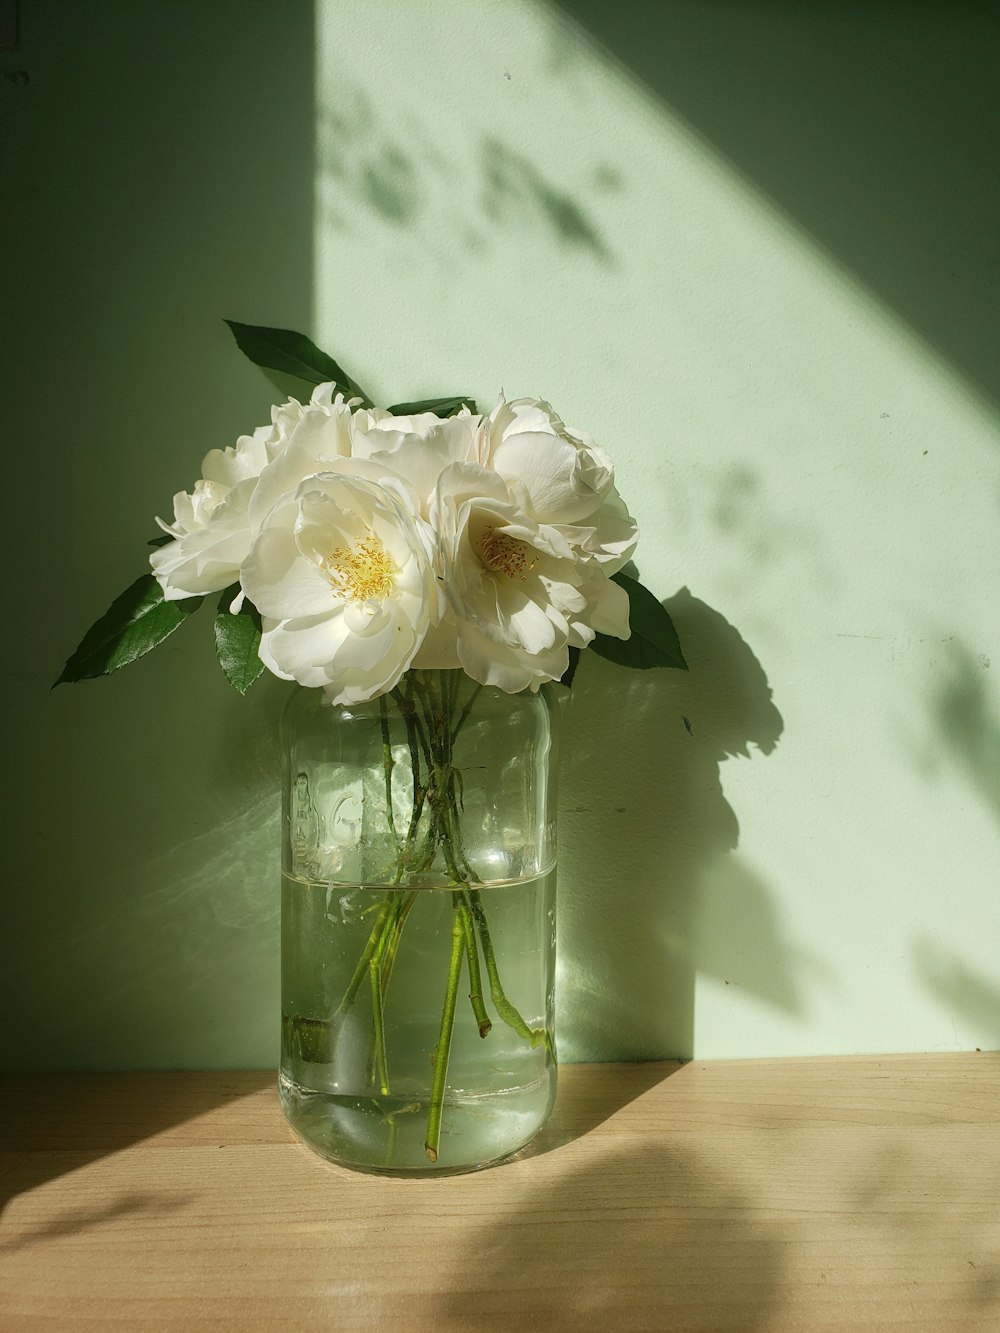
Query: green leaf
[[133, 624], [292, 354], [574, 661], [441, 407], [654, 641], [237, 638]]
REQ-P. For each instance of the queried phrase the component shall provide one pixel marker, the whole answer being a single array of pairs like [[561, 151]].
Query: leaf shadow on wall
[[967, 724], [374, 164], [649, 891], [967, 733], [970, 996]]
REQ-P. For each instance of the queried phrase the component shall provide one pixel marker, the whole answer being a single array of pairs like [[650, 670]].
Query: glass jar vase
[[418, 924]]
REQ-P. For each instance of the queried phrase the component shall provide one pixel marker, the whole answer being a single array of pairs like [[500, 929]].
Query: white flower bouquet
[[359, 550], [352, 543]]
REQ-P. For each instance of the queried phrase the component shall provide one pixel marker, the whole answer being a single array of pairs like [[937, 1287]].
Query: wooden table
[[787, 1194]]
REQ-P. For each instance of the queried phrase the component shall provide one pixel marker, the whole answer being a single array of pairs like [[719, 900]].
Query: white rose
[[211, 529], [240, 462], [214, 525], [417, 448], [511, 583], [607, 539], [302, 442], [560, 477], [342, 575], [555, 474]]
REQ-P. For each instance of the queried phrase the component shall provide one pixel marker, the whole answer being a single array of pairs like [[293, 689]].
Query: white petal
[[557, 475], [315, 442], [504, 667], [302, 649], [280, 582], [527, 624]]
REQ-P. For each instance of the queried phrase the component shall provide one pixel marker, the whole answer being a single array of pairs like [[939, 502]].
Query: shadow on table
[[649, 1237], [51, 1124], [72, 1221], [590, 1094]]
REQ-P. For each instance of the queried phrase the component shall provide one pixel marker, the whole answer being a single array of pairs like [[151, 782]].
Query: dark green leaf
[[288, 386], [237, 638], [654, 641], [574, 661], [441, 407], [293, 354], [133, 624]]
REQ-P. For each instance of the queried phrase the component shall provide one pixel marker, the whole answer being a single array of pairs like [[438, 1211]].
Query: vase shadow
[[646, 841], [589, 1095]]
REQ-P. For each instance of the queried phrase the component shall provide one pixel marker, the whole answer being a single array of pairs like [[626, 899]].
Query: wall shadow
[[871, 126], [644, 827], [51, 1124], [164, 952], [137, 153]]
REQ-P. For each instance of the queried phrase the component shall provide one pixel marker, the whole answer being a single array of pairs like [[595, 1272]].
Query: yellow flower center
[[504, 554], [362, 572]]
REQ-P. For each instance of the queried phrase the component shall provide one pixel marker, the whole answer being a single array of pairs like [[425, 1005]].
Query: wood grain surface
[[788, 1194]]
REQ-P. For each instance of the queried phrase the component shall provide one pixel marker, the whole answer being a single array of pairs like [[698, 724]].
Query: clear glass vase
[[418, 924]]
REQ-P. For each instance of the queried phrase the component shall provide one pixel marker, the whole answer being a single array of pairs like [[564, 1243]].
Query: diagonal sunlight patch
[[500, 203]]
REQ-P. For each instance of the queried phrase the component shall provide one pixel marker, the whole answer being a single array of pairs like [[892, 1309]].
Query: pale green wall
[[752, 248]]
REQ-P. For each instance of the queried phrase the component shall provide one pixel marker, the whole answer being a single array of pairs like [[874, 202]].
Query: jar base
[[387, 1135]]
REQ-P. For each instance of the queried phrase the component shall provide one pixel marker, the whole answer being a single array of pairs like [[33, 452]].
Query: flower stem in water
[[389, 957], [381, 1066], [475, 978], [443, 1049], [507, 1011], [371, 949], [387, 764]]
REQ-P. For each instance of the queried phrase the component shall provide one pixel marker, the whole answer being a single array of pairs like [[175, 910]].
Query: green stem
[[378, 1022], [455, 857], [384, 961], [443, 1049], [507, 1011], [465, 712], [387, 765], [370, 950], [414, 684], [456, 686], [448, 848], [389, 958], [475, 976], [431, 706]]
